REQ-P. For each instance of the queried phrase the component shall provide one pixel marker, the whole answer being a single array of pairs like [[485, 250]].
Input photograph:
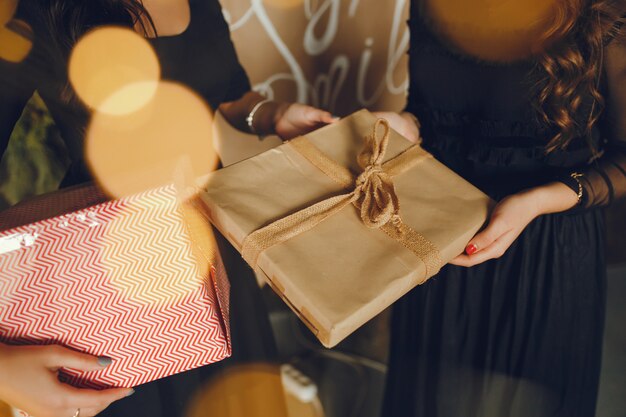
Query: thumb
[[61, 357]]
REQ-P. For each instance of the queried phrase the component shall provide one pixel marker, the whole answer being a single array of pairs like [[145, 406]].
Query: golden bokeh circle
[[493, 30], [14, 47], [114, 70], [252, 390], [169, 140], [7, 11], [150, 250]]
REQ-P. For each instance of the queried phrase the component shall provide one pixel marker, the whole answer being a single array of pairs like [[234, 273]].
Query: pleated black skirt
[[516, 336]]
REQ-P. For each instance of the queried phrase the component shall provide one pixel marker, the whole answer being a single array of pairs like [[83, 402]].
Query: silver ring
[[77, 413]]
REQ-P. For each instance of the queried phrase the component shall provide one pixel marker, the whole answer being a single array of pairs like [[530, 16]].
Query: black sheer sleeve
[[605, 179]]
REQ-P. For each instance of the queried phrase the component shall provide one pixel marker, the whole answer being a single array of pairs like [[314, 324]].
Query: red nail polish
[[470, 249]]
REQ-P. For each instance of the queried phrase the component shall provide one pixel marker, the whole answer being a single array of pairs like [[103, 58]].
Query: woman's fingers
[[509, 218], [494, 250], [324, 117], [487, 236], [313, 117], [61, 357], [91, 402], [490, 243], [298, 119], [412, 127], [66, 400], [401, 124], [30, 381]]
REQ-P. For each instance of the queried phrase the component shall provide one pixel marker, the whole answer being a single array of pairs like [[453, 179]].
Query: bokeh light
[[494, 30], [171, 135], [114, 70], [7, 10], [202, 240], [13, 46], [150, 252], [129, 98], [253, 390]]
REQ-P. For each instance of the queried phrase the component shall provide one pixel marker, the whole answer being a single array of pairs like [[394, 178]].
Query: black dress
[[520, 335], [203, 58]]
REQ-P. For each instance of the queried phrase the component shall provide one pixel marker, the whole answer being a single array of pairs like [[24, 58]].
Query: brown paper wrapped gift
[[320, 217]]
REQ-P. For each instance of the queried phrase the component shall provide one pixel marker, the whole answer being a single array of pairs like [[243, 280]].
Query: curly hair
[[568, 71]]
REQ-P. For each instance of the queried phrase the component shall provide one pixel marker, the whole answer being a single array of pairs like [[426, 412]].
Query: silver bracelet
[[250, 118], [576, 176]]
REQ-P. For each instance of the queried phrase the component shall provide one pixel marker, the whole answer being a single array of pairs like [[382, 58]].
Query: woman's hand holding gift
[[509, 219], [295, 119], [29, 381]]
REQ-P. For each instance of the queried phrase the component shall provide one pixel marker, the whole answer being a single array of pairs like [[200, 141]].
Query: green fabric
[[36, 159]]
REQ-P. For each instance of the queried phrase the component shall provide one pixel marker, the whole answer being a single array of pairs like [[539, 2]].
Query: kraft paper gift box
[[329, 234], [137, 279]]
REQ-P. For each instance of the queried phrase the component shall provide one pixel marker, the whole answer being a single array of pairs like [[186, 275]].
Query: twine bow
[[374, 191], [373, 194]]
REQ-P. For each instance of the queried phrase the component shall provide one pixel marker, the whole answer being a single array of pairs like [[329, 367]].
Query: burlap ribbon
[[373, 194]]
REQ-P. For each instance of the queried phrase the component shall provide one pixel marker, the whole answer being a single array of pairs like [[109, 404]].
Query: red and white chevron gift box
[[127, 279]]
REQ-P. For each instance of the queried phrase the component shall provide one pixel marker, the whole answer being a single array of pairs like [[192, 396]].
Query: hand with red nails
[[509, 219], [29, 381]]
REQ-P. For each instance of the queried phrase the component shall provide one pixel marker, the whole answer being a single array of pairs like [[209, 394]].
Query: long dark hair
[[61, 23], [567, 73], [68, 20]]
